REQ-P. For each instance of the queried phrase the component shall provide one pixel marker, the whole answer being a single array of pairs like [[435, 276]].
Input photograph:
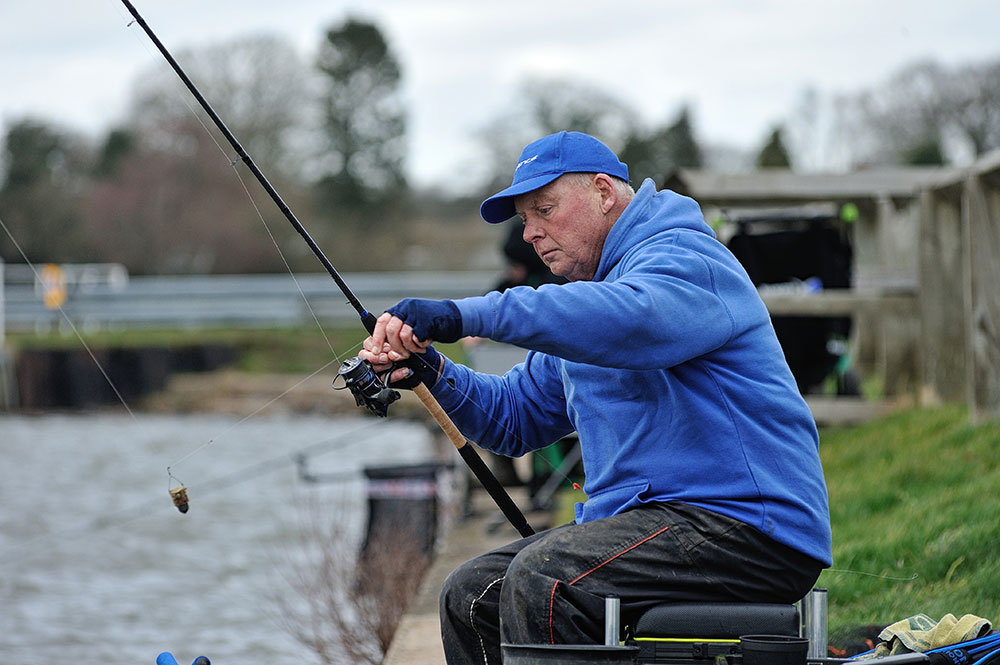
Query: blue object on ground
[[167, 658]]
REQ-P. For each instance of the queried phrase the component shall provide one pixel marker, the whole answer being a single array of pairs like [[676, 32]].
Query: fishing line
[[880, 576], [234, 163], [469, 455], [170, 475], [356, 436], [118, 394], [179, 493], [247, 417], [281, 254], [68, 320]]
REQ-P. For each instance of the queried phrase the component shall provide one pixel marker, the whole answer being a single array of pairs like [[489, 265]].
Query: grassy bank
[[915, 505], [291, 350]]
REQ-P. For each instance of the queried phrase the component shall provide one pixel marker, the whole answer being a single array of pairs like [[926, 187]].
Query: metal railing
[[218, 301]]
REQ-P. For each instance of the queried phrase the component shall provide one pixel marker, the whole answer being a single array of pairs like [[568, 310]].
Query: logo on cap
[[525, 161]]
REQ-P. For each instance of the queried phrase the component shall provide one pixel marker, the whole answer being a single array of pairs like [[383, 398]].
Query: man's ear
[[606, 188]]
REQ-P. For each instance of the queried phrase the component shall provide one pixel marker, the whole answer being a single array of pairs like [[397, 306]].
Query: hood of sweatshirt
[[649, 214]]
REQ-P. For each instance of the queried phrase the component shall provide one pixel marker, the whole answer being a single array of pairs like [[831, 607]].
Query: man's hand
[[422, 367], [409, 327], [391, 341]]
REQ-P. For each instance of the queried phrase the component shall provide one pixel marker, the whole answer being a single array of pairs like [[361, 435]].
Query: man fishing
[[703, 478]]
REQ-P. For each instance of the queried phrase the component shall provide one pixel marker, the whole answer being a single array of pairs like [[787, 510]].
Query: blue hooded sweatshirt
[[667, 367]]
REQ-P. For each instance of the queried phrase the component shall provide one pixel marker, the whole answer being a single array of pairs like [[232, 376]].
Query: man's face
[[566, 225]]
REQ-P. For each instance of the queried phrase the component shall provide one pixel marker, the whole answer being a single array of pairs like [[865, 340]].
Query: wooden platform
[[841, 411]]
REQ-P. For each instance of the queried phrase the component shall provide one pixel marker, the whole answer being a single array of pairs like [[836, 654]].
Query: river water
[[97, 566]]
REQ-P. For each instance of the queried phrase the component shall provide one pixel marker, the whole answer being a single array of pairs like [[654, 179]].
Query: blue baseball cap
[[545, 160]]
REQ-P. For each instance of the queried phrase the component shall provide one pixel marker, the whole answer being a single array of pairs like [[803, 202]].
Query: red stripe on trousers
[[552, 595]]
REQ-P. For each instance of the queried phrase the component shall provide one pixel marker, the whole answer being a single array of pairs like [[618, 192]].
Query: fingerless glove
[[435, 320]]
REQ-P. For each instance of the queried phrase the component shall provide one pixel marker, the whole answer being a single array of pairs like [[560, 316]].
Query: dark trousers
[[549, 588]]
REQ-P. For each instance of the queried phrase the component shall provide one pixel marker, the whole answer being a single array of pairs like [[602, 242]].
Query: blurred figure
[[524, 268]]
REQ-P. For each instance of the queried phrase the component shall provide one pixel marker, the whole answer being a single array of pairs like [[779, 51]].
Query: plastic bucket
[[566, 654], [773, 649]]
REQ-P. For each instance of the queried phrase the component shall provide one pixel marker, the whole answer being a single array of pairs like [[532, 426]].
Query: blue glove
[[424, 367], [436, 320]]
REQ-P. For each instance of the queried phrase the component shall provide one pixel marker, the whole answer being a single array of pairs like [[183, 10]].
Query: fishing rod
[[368, 393]]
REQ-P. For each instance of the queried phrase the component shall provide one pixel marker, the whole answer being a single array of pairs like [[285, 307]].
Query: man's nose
[[531, 232]]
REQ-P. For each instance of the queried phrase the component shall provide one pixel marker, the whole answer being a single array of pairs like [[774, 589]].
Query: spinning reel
[[368, 389]]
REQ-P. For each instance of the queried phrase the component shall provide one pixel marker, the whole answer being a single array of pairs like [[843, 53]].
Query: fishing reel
[[368, 389]]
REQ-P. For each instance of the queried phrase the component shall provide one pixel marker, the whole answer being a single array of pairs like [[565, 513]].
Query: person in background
[[523, 266], [703, 477]]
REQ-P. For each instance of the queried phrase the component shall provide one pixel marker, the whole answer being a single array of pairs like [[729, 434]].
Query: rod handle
[[475, 462], [443, 420]]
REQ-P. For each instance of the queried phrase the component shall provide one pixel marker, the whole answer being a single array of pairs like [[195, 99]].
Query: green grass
[[915, 508], [293, 350], [286, 350]]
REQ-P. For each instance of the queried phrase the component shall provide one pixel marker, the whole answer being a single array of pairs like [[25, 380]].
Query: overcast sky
[[740, 64]]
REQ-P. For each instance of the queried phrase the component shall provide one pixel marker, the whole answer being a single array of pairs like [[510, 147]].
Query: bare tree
[[546, 105], [556, 104], [346, 606], [924, 110], [972, 101], [903, 112], [171, 203], [178, 208], [258, 86]]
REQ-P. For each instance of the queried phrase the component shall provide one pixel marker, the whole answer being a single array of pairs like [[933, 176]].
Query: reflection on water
[[97, 566]]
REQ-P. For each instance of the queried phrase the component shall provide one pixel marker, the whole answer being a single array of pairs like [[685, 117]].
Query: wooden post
[[867, 338], [3, 323], [896, 235], [942, 334], [8, 382], [981, 219]]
